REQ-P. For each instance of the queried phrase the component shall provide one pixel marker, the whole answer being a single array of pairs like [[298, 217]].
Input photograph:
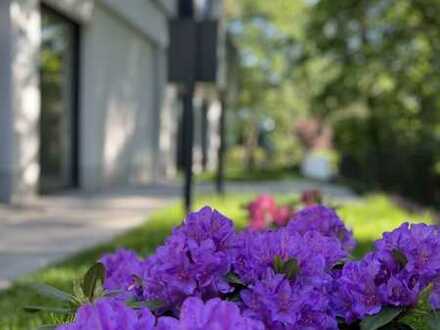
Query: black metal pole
[[204, 134], [220, 184], [188, 135]]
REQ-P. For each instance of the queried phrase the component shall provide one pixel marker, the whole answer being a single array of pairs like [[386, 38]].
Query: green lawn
[[240, 174], [368, 218]]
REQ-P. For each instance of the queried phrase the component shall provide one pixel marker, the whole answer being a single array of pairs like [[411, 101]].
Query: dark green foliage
[[383, 93], [381, 319]]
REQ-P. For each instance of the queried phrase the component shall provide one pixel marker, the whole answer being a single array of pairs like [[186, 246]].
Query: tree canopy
[[368, 67]]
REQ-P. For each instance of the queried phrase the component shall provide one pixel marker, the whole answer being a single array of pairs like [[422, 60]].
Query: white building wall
[[117, 107], [122, 82], [20, 101]]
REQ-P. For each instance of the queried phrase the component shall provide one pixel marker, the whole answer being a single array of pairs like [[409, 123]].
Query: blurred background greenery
[[368, 70]]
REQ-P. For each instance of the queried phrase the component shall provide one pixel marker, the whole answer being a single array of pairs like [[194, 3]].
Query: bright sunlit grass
[[368, 218]]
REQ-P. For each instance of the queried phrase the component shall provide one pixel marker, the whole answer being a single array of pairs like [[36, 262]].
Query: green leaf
[[400, 326], [51, 292], [150, 304], [154, 304], [434, 321], [48, 327], [95, 275], [399, 257], [384, 317], [291, 268], [234, 279], [57, 310], [278, 264]]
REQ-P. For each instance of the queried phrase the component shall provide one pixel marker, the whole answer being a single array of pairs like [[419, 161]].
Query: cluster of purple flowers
[[402, 264], [207, 275], [110, 314], [323, 220]]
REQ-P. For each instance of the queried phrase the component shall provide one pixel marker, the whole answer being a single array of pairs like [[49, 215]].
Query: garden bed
[[368, 218]]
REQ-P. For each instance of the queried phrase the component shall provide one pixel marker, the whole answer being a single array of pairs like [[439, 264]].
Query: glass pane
[[57, 59]]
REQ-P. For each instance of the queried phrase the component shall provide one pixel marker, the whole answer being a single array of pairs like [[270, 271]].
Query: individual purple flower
[[215, 314], [399, 290], [270, 300], [281, 304], [110, 314], [314, 310], [355, 293], [314, 254], [410, 261], [323, 220], [193, 261], [209, 224], [121, 268], [414, 248]]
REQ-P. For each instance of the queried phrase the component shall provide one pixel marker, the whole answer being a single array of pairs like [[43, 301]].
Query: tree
[[269, 38], [383, 91]]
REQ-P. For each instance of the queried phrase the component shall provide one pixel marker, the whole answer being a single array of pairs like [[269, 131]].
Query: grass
[[368, 218], [240, 174]]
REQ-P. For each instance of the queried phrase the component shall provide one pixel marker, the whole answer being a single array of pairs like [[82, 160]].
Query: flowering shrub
[[264, 211], [207, 275]]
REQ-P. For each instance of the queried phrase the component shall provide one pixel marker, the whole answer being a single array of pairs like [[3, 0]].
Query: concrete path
[[54, 227]]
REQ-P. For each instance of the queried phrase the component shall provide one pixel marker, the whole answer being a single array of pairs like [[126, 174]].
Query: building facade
[[82, 85], [84, 97]]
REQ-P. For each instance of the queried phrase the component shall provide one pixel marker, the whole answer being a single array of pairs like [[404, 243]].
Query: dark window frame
[[75, 93]]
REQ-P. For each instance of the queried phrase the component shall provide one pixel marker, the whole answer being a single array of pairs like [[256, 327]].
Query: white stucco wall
[[20, 101], [122, 86], [117, 104]]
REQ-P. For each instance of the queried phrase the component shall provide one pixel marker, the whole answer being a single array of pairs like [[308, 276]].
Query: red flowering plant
[[263, 211]]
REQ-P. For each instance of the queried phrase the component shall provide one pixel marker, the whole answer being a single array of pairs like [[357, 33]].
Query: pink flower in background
[[262, 212], [282, 215]]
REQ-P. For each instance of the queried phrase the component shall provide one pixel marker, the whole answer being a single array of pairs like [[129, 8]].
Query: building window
[[59, 102]]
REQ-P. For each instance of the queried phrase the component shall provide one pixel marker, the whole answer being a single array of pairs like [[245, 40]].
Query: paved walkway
[[53, 227]]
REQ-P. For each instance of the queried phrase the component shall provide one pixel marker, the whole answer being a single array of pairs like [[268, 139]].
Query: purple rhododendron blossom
[[410, 258], [207, 275], [404, 262], [418, 244], [323, 220], [109, 314], [121, 268], [193, 261], [355, 293], [281, 304], [215, 314], [314, 253]]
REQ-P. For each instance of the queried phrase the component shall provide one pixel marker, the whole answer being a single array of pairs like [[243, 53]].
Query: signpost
[[192, 58]]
